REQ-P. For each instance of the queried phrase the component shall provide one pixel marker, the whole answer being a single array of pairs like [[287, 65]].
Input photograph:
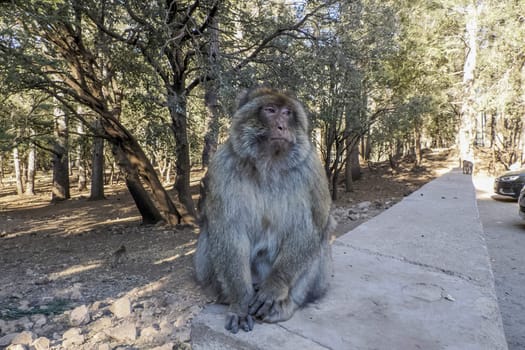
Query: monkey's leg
[[310, 286], [201, 259], [232, 265]]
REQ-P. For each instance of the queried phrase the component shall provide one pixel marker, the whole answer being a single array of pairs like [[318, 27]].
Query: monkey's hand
[[268, 297], [236, 319]]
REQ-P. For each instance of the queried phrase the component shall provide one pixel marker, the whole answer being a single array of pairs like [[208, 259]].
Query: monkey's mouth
[[279, 146], [279, 139]]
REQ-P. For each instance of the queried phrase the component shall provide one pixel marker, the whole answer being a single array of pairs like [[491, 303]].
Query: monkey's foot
[[280, 311], [235, 321], [271, 312]]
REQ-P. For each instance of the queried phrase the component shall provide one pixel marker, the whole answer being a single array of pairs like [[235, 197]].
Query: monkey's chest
[[272, 211]]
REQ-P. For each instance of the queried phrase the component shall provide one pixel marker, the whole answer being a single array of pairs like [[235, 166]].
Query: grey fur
[[265, 222]]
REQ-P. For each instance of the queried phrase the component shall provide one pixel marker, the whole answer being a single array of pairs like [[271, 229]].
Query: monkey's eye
[[270, 109], [287, 112]]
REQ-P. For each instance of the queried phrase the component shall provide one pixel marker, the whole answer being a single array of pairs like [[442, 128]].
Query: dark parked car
[[521, 203], [510, 183]]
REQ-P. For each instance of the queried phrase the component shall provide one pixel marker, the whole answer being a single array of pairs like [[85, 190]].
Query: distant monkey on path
[[468, 166]]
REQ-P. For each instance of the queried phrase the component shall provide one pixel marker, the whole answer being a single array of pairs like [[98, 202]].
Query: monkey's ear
[[243, 97], [247, 95]]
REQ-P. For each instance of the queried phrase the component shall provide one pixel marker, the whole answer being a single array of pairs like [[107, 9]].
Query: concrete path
[[416, 276]]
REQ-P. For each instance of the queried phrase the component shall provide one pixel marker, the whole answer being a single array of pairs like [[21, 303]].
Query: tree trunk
[[137, 161], [417, 147], [1, 170], [210, 96], [81, 161], [353, 168], [366, 146], [31, 169], [60, 190], [467, 117], [97, 166], [18, 172], [349, 182], [212, 134], [150, 214], [177, 108], [522, 88]]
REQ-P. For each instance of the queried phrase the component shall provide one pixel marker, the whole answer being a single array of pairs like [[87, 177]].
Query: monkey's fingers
[[247, 323], [260, 305], [233, 321], [280, 311]]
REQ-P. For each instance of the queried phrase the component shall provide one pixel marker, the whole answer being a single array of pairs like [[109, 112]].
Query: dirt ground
[[85, 257]]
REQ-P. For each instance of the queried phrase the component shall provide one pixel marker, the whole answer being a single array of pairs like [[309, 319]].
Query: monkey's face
[[280, 135], [271, 127]]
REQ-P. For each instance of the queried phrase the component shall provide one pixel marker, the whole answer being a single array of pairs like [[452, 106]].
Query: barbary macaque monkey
[[468, 166], [265, 214]]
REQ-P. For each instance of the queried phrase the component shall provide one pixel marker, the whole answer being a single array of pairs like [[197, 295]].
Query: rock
[[124, 332], [195, 309], [27, 324], [101, 324], [97, 305], [41, 343], [103, 347], [19, 325], [121, 308], [354, 217], [6, 339], [167, 346], [149, 332], [16, 347], [100, 337], [72, 337], [79, 316], [39, 320], [24, 338], [74, 292], [166, 327], [180, 321], [364, 205], [183, 335], [23, 305]]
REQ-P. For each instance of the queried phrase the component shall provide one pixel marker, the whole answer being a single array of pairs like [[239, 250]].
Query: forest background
[[97, 90]]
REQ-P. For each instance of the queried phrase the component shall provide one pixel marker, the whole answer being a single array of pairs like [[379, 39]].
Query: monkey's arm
[[227, 247], [227, 250]]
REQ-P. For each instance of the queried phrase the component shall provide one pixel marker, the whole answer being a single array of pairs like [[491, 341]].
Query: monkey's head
[[270, 125]]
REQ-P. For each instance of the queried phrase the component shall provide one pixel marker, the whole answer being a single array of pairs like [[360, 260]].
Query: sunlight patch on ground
[[171, 258], [442, 171], [174, 257], [74, 270], [148, 289]]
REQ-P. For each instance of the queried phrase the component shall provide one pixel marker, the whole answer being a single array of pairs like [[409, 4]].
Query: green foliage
[[367, 68]]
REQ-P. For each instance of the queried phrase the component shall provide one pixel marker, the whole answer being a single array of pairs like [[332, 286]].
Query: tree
[[97, 163], [60, 190], [78, 69], [211, 88], [468, 112], [18, 171], [31, 168]]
